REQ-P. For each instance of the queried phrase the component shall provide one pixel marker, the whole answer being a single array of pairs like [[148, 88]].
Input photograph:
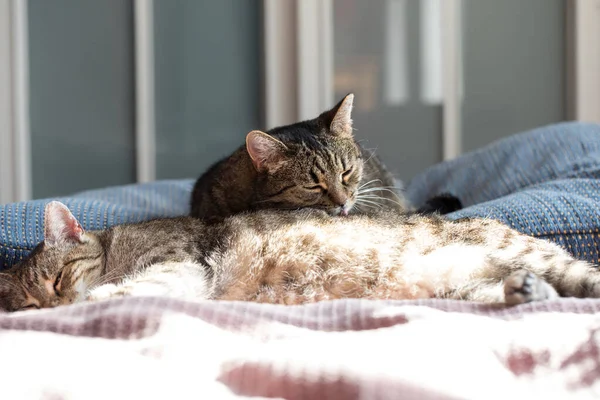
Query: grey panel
[[208, 81], [406, 136], [82, 113], [514, 69]]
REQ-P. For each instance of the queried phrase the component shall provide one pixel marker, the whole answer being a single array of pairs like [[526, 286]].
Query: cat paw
[[523, 287], [105, 292]]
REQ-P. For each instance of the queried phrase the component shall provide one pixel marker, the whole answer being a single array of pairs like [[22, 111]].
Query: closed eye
[[56, 285], [30, 307], [346, 174], [315, 188]]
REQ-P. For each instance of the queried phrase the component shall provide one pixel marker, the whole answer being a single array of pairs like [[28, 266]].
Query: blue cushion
[[543, 182], [22, 224], [560, 151], [565, 211]]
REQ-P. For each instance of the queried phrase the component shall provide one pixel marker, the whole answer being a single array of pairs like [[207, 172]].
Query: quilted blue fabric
[[543, 182], [21, 224]]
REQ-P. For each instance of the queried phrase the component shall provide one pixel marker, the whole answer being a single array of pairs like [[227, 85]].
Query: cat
[[293, 257], [315, 163]]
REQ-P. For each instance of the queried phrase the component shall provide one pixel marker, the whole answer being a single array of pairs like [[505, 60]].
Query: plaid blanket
[[543, 183], [157, 348]]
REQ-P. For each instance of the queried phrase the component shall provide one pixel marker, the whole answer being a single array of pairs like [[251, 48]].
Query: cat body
[[315, 163], [293, 257]]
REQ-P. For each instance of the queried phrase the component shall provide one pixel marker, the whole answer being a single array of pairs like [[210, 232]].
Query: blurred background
[[96, 93]]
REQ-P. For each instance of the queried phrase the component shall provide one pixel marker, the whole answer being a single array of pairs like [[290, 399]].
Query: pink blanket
[[158, 348]]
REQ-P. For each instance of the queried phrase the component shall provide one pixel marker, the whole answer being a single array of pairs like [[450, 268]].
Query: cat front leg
[[103, 292], [523, 286], [172, 279], [130, 288]]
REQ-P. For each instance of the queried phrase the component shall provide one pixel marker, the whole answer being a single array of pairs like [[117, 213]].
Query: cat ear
[[266, 152], [339, 118], [60, 226]]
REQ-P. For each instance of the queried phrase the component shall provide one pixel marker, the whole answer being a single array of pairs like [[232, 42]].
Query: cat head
[[59, 270], [314, 163]]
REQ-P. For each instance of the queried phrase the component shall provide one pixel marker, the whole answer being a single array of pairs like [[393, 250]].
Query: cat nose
[[339, 199]]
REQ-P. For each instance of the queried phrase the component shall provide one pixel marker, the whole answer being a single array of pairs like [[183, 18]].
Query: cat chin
[[338, 213]]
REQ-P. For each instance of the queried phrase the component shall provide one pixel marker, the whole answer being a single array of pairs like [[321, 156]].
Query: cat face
[[58, 271], [313, 163]]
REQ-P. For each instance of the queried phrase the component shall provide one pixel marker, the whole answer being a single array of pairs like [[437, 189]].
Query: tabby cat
[[315, 163], [293, 257]]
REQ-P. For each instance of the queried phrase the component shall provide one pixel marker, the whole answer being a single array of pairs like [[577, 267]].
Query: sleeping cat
[[293, 257], [315, 163]]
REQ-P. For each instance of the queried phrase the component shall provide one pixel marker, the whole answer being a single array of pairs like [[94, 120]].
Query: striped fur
[[295, 257], [315, 163]]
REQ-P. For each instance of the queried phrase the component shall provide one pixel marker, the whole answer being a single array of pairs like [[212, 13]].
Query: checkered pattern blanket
[[543, 183], [157, 348]]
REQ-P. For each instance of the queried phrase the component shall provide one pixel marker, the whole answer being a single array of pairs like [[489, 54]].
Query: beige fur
[[297, 257]]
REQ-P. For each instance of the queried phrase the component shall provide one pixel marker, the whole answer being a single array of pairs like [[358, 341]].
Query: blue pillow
[[556, 152], [22, 224], [543, 183]]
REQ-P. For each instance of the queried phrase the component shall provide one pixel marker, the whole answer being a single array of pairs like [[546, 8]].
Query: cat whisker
[[371, 156], [383, 189], [359, 206], [372, 151], [107, 278], [366, 196], [375, 197], [101, 280], [365, 184], [375, 204], [111, 276], [392, 192], [372, 207], [372, 189], [371, 197], [364, 201], [361, 201]]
